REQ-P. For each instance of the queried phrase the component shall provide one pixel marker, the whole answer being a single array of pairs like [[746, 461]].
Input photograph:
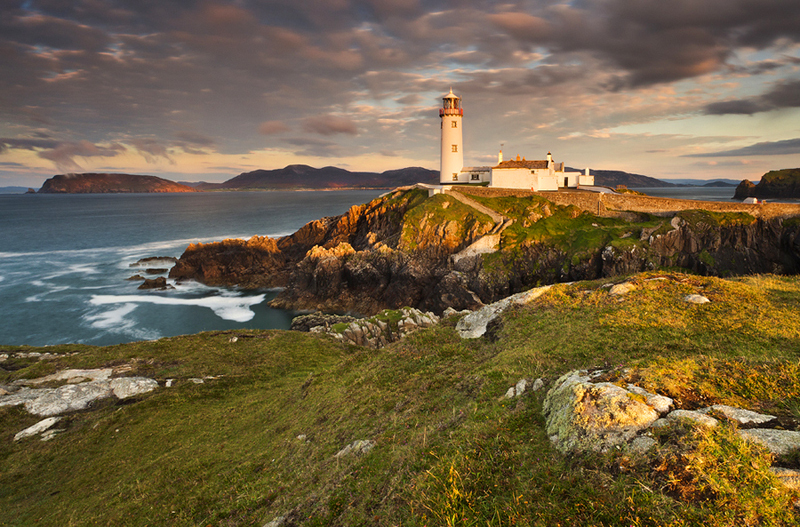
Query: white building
[[539, 175]]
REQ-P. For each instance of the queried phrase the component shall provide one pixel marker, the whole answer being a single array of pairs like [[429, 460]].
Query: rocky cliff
[[109, 183], [774, 184], [399, 250]]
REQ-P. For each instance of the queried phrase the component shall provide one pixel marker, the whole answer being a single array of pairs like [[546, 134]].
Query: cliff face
[[396, 251], [775, 184], [109, 183]]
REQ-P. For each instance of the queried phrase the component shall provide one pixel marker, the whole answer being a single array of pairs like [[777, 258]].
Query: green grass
[[448, 450]]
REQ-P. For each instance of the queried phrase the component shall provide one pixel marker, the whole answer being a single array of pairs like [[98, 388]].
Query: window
[[454, 148], [476, 177], [455, 176], [453, 124]]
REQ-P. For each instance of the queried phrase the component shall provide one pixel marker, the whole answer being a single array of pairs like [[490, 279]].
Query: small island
[[93, 183]]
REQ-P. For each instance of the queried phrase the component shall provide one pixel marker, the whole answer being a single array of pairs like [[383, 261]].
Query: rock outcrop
[[78, 390], [583, 414], [400, 250], [774, 184], [373, 332], [109, 183]]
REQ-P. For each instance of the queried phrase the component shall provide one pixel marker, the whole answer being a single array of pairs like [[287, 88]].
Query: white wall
[[519, 178]]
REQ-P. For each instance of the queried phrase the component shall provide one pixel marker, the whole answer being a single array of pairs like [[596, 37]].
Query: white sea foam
[[52, 289], [114, 318], [236, 308]]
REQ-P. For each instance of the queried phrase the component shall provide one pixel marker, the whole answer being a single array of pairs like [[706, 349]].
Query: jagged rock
[[315, 320], [779, 442], [788, 476], [358, 447], [538, 384], [586, 416], [125, 387], [68, 398], [38, 428], [660, 403], [622, 289], [135, 277], [474, 324], [376, 333], [159, 283], [743, 417], [696, 299]]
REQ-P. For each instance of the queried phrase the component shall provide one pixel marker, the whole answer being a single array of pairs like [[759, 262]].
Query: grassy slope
[[448, 451]]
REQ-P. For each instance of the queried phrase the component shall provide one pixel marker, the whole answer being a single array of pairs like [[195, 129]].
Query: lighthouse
[[452, 159]]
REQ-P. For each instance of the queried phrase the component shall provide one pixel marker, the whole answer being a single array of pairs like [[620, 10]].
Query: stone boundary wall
[[613, 204]]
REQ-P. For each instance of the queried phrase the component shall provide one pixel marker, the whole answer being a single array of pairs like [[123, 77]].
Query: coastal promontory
[[473, 246], [97, 183], [776, 184]]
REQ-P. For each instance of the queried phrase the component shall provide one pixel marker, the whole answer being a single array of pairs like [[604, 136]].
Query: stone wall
[[612, 204]]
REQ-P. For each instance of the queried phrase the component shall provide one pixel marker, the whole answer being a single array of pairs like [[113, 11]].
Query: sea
[[65, 260]]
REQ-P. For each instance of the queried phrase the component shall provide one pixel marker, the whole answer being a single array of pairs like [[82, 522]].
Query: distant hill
[[774, 184], [612, 178], [717, 182], [294, 177], [109, 183]]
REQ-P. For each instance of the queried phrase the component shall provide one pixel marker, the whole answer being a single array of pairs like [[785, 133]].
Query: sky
[[204, 90]]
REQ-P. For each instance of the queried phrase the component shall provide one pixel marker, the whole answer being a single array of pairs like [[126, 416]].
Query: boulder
[[358, 447], [788, 476], [474, 324], [125, 387], [696, 418], [68, 398], [622, 289], [38, 428], [743, 417], [585, 416], [660, 403], [696, 299], [779, 442]]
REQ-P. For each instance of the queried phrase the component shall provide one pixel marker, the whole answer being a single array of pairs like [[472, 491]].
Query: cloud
[[65, 153], [151, 150], [783, 95], [767, 148], [272, 127], [330, 125]]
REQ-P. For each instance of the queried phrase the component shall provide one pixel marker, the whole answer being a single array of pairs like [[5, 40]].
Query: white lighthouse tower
[[452, 159]]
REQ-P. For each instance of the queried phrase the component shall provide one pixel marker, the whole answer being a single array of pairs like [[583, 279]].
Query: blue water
[[64, 260]]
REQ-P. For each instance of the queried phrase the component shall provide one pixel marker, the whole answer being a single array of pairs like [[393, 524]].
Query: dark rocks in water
[[136, 277], [159, 283], [313, 320], [156, 271]]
